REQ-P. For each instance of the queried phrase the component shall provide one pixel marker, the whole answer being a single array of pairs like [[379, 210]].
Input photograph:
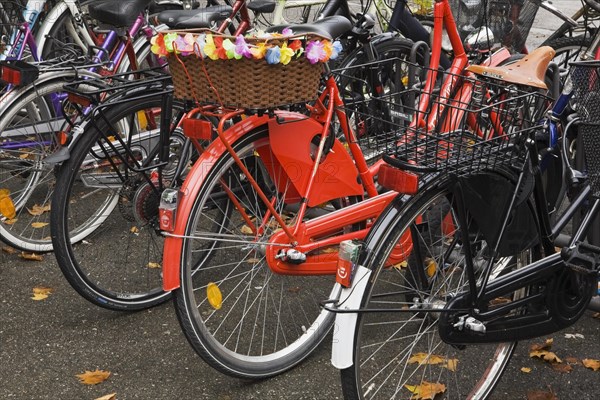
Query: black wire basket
[[585, 76], [478, 124]]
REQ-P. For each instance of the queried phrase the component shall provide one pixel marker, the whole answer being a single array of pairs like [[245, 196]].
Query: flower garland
[[215, 47]]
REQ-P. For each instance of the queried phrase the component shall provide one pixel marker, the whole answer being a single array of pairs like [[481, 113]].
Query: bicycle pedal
[[583, 258]]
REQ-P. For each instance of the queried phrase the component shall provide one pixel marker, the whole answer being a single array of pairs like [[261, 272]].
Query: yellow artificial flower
[[286, 54], [210, 49]]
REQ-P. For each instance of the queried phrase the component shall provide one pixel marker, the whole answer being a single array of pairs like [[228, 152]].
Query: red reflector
[[197, 128], [16, 72], [77, 99], [398, 180]]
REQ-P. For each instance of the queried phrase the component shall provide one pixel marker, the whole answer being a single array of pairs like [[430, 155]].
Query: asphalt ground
[[45, 344]]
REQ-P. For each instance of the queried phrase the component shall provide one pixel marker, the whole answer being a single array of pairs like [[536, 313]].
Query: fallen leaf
[[246, 230], [112, 396], [545, 346], [329, 250], [38, 225], [31, 256], [252, 260], [401, 265], [424, 358], [594, 365], [499, 300], [41, 293], [153, 265], [596, 315], [545, 355], [93, 377], [451, 364], [38, 210], [10, 221], [24, 156], [572, 360], [526, 370], [562, 368], [541, 395], [426, 390], [134, 229], [8, 250], [574, 336]]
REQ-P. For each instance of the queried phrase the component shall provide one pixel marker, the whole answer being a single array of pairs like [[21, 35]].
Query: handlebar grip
[[593, 4]]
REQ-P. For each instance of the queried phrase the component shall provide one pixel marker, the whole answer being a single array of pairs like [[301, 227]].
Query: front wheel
[[239, 316], [397, 354]]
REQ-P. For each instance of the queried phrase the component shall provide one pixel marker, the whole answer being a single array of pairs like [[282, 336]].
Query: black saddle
[[190, 19], [261, 6], [119, 13]]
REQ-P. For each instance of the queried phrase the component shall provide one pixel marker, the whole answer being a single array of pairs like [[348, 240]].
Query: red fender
[[286, 130]]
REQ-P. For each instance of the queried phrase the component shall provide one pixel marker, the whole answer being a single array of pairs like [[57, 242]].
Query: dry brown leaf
[[38, 225], [499, 300], [426, 390], [153, 265], [562, 368], [8, 250], [572, 360], [526, 370], [545, 346], [31, 256], [252, 260], [541, 395], [134, 229], [596, 315], [24, 156], [10, 221], [38, 210], [329, 250], [545, 355], [594, 365], [112, 396], [93, 377]]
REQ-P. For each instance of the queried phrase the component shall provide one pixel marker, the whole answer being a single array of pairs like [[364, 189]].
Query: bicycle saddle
[[261, 6], [329, 27], [119, 13], [190, 19], [529, 71]]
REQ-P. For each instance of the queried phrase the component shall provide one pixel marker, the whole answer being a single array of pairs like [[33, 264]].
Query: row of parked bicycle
[[276, 180]]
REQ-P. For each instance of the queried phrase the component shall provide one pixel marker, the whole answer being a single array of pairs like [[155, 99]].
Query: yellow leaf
[[7, 207], [41, 292], [214, 296], [424, 358], [545, 355], [11, 221], [431, 268], [526, 370], [329, 250], [8, 250], [38, 210], [38, 225], [591, 364], [246, 230], [401, 265], [426, 390], [451, 364], [112, 396], [24, 156], [153, 265], [31, 256], [134, 229], [93, 377]]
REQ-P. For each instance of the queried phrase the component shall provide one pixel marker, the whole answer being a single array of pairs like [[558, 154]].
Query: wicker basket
[[244, 83]]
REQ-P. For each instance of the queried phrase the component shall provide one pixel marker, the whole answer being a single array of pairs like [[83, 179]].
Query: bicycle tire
[[408, 344], [62, 35], [118, 265], [266, 322], [28, 123], [568, 49]]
